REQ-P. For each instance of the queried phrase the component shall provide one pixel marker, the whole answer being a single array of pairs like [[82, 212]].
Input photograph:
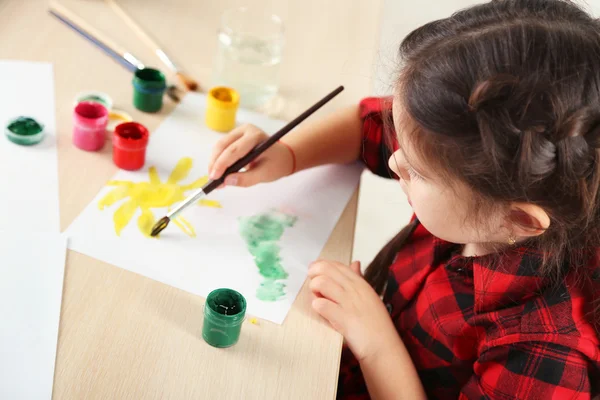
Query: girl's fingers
[[254, 174], [331, 270], [221, 145], [351, 273], [231, 154], [331, 311], [355, 266], [327, 288]]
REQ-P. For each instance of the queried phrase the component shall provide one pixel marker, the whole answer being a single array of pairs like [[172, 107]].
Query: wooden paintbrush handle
[[65, 12], [149, 41]]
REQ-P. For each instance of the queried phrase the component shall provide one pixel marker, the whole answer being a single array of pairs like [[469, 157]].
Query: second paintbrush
[[241, 163]]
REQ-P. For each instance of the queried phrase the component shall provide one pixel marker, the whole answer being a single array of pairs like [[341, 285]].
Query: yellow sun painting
[[153, 194]]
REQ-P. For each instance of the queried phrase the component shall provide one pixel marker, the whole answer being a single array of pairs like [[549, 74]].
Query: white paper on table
[[218, 256], [32, 269], [29, 179]]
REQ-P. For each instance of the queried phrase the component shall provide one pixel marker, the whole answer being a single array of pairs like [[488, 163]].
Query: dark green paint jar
[[149, 86], [224, 313], [25, 131]]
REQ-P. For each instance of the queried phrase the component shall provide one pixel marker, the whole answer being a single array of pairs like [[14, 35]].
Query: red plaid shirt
[[479, 327]]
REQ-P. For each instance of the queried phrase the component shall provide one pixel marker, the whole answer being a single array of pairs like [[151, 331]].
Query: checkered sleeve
[[531, 370], [378, 136]]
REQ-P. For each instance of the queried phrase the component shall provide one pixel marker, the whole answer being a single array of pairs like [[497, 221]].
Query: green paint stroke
[[262, 234], [270, 290]]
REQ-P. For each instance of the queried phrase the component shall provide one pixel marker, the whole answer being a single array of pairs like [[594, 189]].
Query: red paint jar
[[89, 125], [130, 140]]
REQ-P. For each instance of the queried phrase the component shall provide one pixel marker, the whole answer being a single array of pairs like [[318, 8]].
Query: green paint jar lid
[[224, 313], [24, 131], [96, 97]]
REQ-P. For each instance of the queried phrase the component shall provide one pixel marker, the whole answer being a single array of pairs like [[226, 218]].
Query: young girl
[[490, 291]]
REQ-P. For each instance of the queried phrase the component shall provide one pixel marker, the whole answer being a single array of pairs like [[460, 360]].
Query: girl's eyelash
[[413, 174]]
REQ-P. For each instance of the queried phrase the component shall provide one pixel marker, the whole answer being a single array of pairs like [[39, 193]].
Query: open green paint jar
[[96, 97], [224, 313], [25, 131], [149, 86]]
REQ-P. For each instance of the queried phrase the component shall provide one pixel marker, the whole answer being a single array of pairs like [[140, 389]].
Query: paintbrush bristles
[[160, 226], [173, 93], [188, 82]]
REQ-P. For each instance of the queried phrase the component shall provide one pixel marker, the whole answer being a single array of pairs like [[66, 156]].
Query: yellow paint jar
[[221, 108]]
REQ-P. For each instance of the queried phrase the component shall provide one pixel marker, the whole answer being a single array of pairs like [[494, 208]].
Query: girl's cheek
[[403, 186]]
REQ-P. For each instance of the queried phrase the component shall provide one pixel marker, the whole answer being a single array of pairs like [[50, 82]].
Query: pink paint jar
[[89, 125], [129, 145]]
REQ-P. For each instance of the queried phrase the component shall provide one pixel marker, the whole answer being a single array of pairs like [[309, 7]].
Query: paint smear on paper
[[153, 194], [262, 234]]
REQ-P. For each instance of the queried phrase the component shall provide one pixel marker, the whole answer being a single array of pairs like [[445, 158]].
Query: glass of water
[[250, 45]]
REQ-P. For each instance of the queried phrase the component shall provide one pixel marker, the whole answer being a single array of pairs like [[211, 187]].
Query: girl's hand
[[276, 162], [352, 308]]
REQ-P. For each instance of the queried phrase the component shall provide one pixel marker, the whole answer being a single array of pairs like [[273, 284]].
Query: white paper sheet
[[32, 270], [29, 178], [218, 256]]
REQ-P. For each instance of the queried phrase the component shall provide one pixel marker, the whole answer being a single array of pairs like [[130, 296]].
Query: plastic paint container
[[115, 117], [25, 131], [130, 141], [89, 125], [149, 86], [221, 109], [224, 313]]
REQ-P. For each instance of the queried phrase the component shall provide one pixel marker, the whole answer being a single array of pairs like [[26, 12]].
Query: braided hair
[[506, 98]]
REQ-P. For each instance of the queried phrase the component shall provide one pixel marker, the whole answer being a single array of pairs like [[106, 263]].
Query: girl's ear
[[527, 220]]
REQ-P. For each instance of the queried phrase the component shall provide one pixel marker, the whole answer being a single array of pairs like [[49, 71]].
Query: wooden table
[[124, 336]]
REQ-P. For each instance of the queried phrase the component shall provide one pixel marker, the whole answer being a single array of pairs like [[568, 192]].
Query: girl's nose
[[393, 164]]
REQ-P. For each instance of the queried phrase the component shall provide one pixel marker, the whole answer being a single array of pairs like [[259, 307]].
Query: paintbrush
[[187, 81], [76, 23], [241, 163], [120, 55]]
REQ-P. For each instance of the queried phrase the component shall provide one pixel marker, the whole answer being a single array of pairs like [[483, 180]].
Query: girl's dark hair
[[505, 97]]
